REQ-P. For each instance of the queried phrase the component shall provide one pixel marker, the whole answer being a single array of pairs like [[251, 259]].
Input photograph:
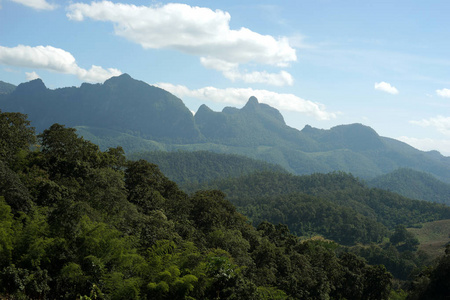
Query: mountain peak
[[251, 103], [117, 79], [253, 100], [33, 86], [203, 109]]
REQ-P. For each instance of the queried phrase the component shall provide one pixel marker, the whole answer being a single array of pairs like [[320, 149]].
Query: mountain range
[[130, 113]]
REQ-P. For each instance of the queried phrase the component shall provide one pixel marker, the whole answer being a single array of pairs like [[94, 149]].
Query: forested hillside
[[187, 168], [415, 185], [336, 205], [77, 222]]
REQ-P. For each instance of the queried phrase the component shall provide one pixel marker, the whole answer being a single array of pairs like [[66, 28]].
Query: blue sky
[[385, 64]]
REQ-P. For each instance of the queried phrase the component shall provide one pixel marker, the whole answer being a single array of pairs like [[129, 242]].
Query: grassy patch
[[433, 237]]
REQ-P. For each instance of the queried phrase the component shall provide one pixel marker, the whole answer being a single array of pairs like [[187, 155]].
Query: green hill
[[321, 203], [187, 168], [415, 185]]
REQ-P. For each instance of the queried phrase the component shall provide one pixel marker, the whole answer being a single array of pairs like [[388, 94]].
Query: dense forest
[[339, 207], [332, 191], [189, 168], [414, 184], [80, 223]]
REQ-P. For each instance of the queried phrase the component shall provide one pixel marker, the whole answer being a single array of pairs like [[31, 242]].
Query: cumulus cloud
[[37, 4], [441, 123], [52, 59], [239, 96], [232, 72], [31, 75], [386, 87], [196, 31], [427, 144], [445, 93]]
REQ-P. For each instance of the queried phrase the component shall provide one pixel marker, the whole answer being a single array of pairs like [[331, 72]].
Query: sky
[[384, 64]]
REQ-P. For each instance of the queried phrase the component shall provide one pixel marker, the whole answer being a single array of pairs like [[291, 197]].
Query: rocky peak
[[31, 87]]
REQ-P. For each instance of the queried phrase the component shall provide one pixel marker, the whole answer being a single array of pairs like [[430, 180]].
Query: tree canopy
[[80, 223]]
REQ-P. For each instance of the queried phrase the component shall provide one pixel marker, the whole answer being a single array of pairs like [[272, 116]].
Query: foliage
[[415, 185], [188, 168], [432, 283], [100, 227], [16, 135], [335, 205]]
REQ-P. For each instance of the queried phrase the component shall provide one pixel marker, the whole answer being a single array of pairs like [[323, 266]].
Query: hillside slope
[[414, 185], [187, 168], [6, 88]]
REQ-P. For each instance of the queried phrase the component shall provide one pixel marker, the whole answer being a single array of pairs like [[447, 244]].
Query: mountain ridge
[[6, 88], [123, 105]]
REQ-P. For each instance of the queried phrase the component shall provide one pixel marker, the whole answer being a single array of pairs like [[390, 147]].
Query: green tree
[[433, 283], [147, 186], [16, 135], [6, 233], [15, 192], [66, 154], [403, 239]]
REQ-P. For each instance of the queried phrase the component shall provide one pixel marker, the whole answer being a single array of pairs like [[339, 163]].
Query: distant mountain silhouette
[[121, 103], [140, 117], [256, 124], [6, 88]]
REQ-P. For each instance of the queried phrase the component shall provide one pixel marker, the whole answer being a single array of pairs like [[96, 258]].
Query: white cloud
[[37, 4], [441, 123], [445, 93], [386, 87], [31, 75], [52, 59], [427, 144], [232, 72], [196, 31], [238, 97]]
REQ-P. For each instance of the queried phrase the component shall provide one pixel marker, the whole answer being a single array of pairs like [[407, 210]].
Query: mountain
[[256, 124], [130, 113], [120, 103], [414, 184], [6, 88]]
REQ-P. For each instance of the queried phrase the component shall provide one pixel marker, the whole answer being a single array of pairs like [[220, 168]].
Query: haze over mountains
[[130, 113]]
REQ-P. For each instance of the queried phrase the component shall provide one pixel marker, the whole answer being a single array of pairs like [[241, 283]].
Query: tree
[[66, 154], [15, 192], [6, 233], [16, 134], [146, 185], [403, 239], [433, 283]]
